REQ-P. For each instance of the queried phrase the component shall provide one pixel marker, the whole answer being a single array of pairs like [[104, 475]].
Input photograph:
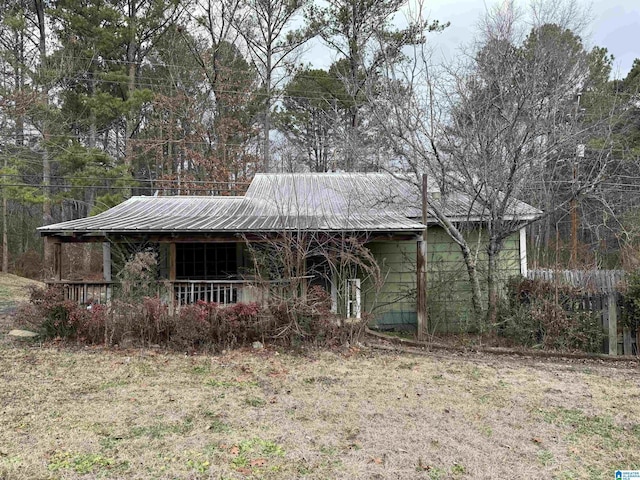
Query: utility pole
[[421, 268]]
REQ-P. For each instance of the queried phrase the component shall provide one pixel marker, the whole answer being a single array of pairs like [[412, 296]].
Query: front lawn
[[360, 413]]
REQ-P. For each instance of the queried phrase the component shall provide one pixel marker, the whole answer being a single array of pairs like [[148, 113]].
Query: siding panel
[[448, 288]]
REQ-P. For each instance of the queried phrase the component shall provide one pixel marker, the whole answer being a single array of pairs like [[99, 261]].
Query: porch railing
[[224, 292], [183, 292], [85, 292]]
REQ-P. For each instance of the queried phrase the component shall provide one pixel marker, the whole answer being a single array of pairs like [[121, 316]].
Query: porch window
[[205, 261]]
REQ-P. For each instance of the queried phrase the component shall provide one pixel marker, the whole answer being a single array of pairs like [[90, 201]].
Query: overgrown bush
[[54, 317], [309, 319], [138, 278], [147, 321], [203, 325], [538, 313]]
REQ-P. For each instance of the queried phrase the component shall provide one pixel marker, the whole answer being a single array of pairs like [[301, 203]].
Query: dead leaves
[[278, 372], [244, 465], [423, 467]]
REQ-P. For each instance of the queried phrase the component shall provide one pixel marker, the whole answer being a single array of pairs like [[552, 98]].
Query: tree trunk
[[129, 127], [46, 166], [132, 48], [19, 85], [5, 238], [267, 113], [493, 251], [92, 114], [469, 260], [474, 281]]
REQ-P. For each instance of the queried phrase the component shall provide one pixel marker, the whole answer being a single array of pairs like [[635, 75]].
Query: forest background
[[104, 99]]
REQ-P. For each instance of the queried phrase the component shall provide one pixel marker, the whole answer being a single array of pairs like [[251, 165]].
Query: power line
[[248, 93], [69, 177], [204, 185], [186, 186], [153, 81]]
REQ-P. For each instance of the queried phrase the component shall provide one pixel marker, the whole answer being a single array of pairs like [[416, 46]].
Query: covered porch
[[189, 269], [202, 243]]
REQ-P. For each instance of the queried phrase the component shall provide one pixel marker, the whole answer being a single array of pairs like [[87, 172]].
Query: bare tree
[[493, 127]]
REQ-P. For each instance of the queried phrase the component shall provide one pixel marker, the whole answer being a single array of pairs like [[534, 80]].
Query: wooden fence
[[602, 293]]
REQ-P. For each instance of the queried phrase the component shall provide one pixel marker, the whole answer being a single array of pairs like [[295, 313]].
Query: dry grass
[[93, 413], [14, 289]]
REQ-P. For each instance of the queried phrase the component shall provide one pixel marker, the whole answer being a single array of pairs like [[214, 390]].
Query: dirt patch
[[360, 413]]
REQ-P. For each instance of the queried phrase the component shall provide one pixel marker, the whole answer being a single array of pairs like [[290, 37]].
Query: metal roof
[[371, 202], [372, 193]]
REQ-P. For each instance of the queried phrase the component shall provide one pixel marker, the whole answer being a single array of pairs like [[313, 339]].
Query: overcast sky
[[615, 25]]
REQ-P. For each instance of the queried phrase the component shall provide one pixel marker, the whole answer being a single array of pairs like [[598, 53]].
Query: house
[[206, 245]]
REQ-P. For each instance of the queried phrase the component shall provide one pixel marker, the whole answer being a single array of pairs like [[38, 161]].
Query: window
[[353, 298], [205, 261]]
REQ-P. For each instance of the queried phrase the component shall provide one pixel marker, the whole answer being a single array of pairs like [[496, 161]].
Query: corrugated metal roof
[[275, 202], [336, 193], [371, 193]]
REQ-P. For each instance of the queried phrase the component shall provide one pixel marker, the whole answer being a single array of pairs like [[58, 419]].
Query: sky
[[615, 24]]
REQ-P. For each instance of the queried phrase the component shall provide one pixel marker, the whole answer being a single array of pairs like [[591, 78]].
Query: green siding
[[448, 289], [394, 304]]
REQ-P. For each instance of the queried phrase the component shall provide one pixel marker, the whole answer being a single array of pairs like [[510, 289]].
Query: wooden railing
[[224, 292], [85, 292]]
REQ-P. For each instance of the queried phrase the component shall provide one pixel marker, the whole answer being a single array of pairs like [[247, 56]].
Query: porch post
[[106, 261], [172, 274], [421, 268], [57, 260], [172, 262], [54, 246], [106, 270]]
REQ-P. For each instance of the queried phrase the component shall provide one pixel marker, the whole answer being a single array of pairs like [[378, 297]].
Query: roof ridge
[[148, 197]]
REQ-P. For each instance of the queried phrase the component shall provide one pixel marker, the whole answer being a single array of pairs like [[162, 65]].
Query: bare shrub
[[139, 277], [28, 264], [140, 314], [549, 315], [283, 266], [311, 320], [55, 317], [193, 328]]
